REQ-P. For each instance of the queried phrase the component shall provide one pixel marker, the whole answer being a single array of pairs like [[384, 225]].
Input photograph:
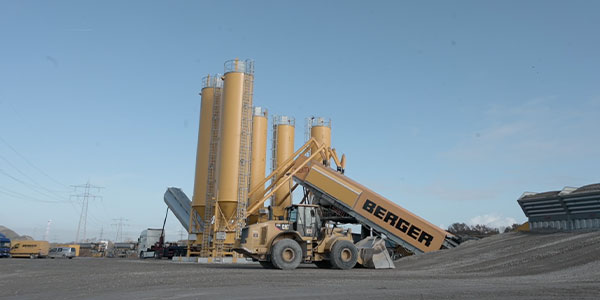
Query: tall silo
[[259, 150], [320, 130], [211, 88], [283, 148], [234, 149]]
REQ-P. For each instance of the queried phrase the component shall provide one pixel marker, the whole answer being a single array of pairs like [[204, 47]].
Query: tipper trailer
[[31, 249], [308, 233]]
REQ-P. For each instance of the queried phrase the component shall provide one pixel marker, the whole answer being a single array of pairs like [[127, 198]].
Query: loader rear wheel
[[267, 264], [343, 255], [286, 254]]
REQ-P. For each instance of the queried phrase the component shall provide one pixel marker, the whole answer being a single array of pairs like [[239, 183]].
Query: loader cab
[[305, 219]]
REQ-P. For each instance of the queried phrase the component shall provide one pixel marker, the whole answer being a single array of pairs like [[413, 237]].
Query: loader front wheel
[[286, 254], [343, 255]]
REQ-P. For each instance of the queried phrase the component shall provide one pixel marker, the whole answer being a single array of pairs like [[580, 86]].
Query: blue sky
[[450, 109]]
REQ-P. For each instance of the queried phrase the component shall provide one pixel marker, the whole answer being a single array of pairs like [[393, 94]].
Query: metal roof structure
[[568, 209]]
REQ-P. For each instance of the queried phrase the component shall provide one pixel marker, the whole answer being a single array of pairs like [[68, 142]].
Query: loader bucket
[[372, 254]]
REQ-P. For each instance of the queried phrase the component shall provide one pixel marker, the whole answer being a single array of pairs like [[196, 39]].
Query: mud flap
[[372, 254]]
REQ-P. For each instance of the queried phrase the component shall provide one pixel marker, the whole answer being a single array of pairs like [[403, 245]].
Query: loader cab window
[[305, 220], [292, 214]]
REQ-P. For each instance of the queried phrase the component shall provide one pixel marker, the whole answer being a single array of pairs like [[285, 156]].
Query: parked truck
[[4, 246], [159, 248], [148, 238], [31, 249]]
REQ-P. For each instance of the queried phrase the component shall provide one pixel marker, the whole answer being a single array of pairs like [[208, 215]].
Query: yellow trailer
[[31, 249]]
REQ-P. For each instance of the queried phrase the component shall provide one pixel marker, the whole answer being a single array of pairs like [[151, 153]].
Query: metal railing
[[260, 111], [212, 81], [284, 120], [320, 121], [242, 66]]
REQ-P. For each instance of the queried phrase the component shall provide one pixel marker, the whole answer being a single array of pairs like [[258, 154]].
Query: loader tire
[[343, 255], [324, 264], [286, 254], [267, 264]]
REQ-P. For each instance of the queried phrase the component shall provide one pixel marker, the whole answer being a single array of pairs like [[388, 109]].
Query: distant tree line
[[478, 230]]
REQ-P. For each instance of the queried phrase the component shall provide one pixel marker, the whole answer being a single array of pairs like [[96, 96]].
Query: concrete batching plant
[[227, 214]]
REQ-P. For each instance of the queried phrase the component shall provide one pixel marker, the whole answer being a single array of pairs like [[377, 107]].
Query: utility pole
[[119, 225], [85, 196], [47, 230], [101, 232]]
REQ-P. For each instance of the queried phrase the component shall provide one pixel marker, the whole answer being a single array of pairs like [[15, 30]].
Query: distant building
[[566, 210]]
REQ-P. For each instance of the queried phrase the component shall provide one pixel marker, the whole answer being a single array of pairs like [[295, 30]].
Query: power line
[[14, 194], [31, 187], [27, 176], [31, 163]]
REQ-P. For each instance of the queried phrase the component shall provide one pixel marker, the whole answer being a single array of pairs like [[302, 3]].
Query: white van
[[62, 252]]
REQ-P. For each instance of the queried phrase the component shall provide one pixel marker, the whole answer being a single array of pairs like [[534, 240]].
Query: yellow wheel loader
[[308, 234], [302, 237]]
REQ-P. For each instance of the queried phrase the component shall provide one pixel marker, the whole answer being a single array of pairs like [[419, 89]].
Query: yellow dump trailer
[[31, 249]]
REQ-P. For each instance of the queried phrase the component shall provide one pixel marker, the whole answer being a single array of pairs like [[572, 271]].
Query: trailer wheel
[[324, 264], [343, 255], [286, 254], [267, 264]]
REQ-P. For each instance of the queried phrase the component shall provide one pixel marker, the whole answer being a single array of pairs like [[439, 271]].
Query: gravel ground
[[507, 266]]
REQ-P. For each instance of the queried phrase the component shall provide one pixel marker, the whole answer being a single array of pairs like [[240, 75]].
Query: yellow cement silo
[[236, 90], [320, 130], [210, 85], [283, 145], [259, 149]]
